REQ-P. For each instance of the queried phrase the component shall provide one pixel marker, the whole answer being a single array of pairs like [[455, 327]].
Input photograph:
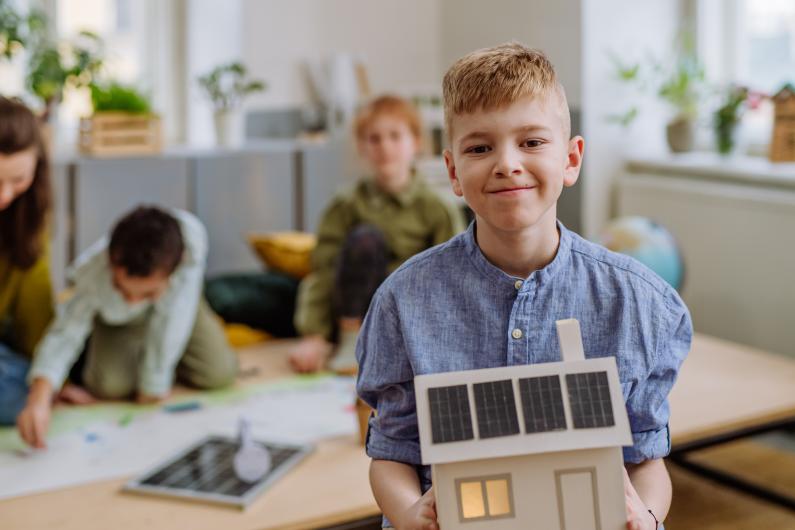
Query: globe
[[648, 242]]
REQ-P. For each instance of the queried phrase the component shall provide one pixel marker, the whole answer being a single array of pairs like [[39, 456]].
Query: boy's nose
[[508, 163]]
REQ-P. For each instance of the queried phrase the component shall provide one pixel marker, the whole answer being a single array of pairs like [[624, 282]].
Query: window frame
[[482, 480]]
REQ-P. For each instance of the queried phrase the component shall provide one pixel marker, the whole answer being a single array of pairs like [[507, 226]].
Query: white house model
[[527, 447]]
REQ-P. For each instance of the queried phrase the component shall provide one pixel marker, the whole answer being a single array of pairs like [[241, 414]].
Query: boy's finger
[[39, 428], [24, 429]]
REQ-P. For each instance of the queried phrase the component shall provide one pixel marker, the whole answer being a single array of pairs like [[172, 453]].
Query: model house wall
[[568, 490]]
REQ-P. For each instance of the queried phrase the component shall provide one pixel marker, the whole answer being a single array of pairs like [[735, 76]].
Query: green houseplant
[[227, 86], [679, 82], [122, 123], [18, 31], [727, 117], [53, 67], [115, 97]]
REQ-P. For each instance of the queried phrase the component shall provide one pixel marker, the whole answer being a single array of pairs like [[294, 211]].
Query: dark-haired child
[[138, 296]]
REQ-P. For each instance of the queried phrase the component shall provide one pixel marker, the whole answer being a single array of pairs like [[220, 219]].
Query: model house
[[532, 446]]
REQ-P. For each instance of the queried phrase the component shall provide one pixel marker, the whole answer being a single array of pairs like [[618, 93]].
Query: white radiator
[[738, 243]]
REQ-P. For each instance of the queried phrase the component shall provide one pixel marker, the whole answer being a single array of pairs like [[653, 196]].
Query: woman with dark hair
[[26, 304]]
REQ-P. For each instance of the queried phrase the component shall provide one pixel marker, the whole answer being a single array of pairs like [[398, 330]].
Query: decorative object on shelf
[[122, 123], [727, 117], [340, 82], [782, 146], [226, 86], [680, 83]]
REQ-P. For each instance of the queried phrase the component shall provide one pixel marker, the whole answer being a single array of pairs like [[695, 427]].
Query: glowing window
[[485, 498]]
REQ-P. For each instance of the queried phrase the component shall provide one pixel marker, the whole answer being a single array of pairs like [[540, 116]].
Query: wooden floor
[[699, 504]]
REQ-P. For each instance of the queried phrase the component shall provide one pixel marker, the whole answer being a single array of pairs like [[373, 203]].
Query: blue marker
[[185, 406]]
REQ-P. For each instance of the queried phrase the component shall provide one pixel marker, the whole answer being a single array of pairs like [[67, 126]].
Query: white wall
[[212, 34], [554, 27], [630, 29], [397, 41]]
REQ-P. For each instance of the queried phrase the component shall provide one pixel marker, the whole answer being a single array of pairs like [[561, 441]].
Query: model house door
[[577, 501]]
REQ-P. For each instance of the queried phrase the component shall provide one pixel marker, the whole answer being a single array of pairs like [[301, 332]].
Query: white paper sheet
[[111, 441]]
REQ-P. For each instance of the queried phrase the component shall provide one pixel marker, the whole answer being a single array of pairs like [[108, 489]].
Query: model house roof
[[521, 410]]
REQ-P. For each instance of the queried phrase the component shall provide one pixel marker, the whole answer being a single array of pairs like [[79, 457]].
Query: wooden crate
[[120, 134]]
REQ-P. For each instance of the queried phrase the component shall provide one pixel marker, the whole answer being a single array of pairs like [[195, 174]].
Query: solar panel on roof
[[496, 409], [451, 417], [589, 398], [542, 404]]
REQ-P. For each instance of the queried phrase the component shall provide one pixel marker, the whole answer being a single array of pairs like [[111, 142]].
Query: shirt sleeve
[[313, 305], [33, 308], [65, 338], [386, 383], [647, 403], [175, 315]]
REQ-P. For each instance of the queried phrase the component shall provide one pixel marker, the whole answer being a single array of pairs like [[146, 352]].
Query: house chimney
[[570, 340]]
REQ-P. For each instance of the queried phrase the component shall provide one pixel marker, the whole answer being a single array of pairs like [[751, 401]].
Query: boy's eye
[[477, 149], [532, 143]]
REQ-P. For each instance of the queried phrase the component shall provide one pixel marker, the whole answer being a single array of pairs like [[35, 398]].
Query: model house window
[[481, 498]]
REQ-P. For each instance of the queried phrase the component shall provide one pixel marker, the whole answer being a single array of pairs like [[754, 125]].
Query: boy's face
[[389, 148], [510, 164], [135, 289]]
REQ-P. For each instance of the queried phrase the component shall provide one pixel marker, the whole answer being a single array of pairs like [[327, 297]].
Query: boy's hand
[[421, 515], [34, 420], [147, 399], [310, 354], [638, 516], [76, 395]]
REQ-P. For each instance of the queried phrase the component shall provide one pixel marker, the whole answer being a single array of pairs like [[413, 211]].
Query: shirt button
[[516, 333], [518, 284]]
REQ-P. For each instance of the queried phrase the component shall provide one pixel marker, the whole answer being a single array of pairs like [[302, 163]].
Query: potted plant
[[18, 31], [679, 83], [52, 67], [122, 122], [226, 86]]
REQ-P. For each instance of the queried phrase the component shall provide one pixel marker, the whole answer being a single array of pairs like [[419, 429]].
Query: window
[[484, 498], [139, 38], [750, 43]]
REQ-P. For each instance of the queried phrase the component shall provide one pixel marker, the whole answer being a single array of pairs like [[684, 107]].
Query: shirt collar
[[405, 197], [496, 274]]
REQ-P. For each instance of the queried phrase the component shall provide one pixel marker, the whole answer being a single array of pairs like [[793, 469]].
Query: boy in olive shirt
[[367, 233]]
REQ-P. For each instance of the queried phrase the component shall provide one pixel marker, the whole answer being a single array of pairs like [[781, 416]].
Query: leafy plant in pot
[[53, 67], [122, 122], [17, 30], [679, 83], [227, 86]]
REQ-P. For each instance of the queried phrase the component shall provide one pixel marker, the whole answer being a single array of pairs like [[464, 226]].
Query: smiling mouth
[[517, 189]]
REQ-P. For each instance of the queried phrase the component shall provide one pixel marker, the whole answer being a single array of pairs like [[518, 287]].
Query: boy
[[367, 233], [490, 297], [139, 297]]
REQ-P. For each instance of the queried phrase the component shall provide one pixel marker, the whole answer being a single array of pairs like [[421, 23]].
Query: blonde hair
[[391, 105], [491, 78]]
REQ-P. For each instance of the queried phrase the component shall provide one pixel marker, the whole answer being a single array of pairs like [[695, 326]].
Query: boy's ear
[[573, 161], [451, 173]]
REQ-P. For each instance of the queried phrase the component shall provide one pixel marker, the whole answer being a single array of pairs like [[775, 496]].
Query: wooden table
[[329, 488], [724, 389], [726, 392]]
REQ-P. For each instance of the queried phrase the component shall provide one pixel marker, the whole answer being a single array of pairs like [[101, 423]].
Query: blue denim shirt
[[449, 309]]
